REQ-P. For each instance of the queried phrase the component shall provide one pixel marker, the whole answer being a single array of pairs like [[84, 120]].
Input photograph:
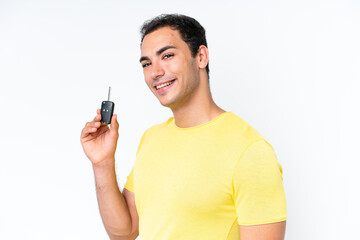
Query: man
[[204, 173]]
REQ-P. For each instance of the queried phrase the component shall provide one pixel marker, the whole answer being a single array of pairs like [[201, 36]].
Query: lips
[[164, 84], [162, 87]]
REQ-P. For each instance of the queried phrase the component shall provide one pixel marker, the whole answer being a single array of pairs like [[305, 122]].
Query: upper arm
[[130, 200], [270, 231], [258, 190]]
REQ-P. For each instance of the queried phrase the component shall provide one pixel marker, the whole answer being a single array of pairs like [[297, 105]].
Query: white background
[[290, 69]]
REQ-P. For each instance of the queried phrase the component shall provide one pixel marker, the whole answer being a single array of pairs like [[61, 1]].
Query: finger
[[93, 124], [86, 131], [98, 116], [114, 126]]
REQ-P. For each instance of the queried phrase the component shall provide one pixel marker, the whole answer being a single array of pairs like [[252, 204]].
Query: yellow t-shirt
[[203, 182]]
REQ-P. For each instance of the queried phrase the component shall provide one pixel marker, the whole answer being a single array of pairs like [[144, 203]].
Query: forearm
[[112, 205]]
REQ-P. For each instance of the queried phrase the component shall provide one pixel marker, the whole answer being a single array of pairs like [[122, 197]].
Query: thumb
[[114, 126]]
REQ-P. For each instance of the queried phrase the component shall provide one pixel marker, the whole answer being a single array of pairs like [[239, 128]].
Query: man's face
[[170, 71]]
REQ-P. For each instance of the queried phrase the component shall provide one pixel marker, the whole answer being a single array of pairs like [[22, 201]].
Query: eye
[[169, 55], [146, 65]]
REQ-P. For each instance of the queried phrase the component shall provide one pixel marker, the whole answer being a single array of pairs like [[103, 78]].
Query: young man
[[204, 173]]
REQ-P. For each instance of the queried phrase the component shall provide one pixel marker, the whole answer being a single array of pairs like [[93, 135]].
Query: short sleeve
[[258, 190], [129, 185]]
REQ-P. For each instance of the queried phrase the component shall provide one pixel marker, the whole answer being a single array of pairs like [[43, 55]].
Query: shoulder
[[153, 132], [160, 126], [239, 130], [157, 128]]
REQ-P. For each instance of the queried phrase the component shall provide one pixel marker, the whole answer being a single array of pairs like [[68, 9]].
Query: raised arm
[[99, 144]]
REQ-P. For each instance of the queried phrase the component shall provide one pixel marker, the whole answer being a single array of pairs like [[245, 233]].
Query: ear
[[203, 56]]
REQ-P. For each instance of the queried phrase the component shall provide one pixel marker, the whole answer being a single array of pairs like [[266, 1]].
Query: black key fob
[[107, 110]]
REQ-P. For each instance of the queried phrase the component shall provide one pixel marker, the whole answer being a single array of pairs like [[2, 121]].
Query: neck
[[199, 109]]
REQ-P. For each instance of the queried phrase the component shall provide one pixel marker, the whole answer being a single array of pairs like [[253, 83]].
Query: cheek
[[172, 66]]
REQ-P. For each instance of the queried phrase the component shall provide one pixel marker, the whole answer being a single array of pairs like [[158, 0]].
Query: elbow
[[122, 234], [123, 237], [118, 234]]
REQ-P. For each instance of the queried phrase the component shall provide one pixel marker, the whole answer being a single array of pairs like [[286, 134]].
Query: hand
[[99, 141]]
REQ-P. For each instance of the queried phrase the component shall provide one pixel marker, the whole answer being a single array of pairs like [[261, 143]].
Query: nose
[[157, 70]]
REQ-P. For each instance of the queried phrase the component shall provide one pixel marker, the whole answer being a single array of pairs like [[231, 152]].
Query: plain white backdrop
[[289, 68]]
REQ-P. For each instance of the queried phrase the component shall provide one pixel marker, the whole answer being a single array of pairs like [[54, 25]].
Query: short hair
[[191, 31]]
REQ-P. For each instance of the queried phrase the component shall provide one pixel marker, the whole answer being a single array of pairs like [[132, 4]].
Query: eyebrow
[[158, 52]]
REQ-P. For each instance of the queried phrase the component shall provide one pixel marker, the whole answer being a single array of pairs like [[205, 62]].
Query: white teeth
[[164, 85]]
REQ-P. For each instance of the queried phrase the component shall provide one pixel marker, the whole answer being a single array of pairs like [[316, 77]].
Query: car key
[[107, 110]]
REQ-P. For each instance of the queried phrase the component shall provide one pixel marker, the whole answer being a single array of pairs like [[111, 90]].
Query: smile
[[164, 84]]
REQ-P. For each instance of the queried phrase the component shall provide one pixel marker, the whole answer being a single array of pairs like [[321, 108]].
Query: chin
[[168, 103], [165, 104]]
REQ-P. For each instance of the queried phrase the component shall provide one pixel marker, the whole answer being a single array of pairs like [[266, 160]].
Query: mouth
[[163, 87]]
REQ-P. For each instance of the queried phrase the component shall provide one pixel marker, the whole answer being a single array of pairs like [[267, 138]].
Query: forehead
[[161, 37]]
